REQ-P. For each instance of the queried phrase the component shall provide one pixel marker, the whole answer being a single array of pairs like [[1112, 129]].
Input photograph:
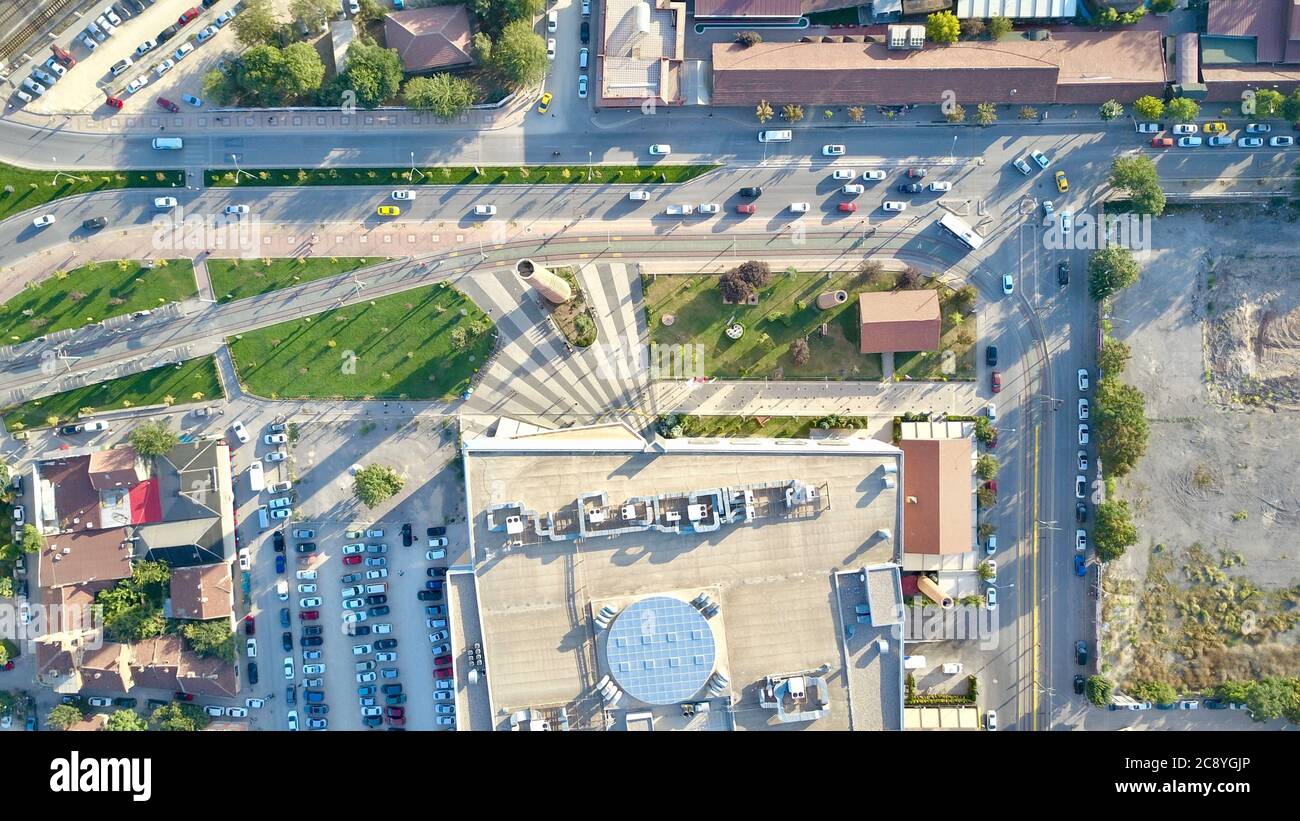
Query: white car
[[1040, 158], [874, 174], [485, 210], [709, 208], [185, 49], [799, 207], [382, 657], [363, 678], [1281, 142], [853, 188], [282, 590], [313, 669], [89, 42], [1022, 166], [550, 48], [381, 573], [309, 602], [991, 718], [991, 597], [137, 84], [940, 186], [43, 220], [354, 604], [254, 703], [894, 205], [640, 196], [404, 194], [99, 701], [241, 432], [1081, 459], [164, 67], [164, 203], [1083, 379], [1008, 284], [236, 712], [111, 16], [383, 629], [293, 719], [846, 174], [552, 20], [436, 555], [288, 668], [311, 655], [121, 65], [1083, 434], [146, 47], [1148, 128], [661, 149], [206, 34], [1185, 128], [1189, 142], [368, 712], [1080, 487], [362, 649], [1083, 410], [306, 588], [1080, 540], [279, 487], [275, 456], [304, 574], [244, 562], [238, 209], [355, 547], [214, 711], [832, 151], [1250, 142], [275, 438], [582, 87]]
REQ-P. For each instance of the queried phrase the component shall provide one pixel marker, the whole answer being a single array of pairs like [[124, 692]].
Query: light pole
[[235, 158], [413, 169], [588, 166], [58, 173], [952, 152]]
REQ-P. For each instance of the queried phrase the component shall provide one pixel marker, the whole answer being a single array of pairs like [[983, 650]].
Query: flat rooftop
[[773, 576]]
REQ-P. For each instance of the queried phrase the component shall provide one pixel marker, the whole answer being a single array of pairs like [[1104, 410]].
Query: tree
[[763, 111], [1291, 107], [1149, 108], [986, 114], [1099, 690], [1161, 692], [370, 13], [1162, 6], [259, 79], [32, 540], [1267, 102], [998, 27], [735, 288], [986, 497], [64, 716], [523, 9], [749, 38], [446, 95], [256, 24], [984, 430], [870, 271], [1111, 110], [986, 529], [1111, 269], [519, 55], [956, 114], [124, 721], [963, 299], [1137, 176], [7, 586], [152, 439], [179, 718], [220, 86], [375, 73], [972, 27], [855, 113], [481, 48], [1183, 110], [986, 467], [312, 12], [756, 273], [375, 483], [1113, 358], [211, 639], [909, 278], [942, 27], [1120, 411], [302, 69], [792, 113], [799, 352], [986, 571]]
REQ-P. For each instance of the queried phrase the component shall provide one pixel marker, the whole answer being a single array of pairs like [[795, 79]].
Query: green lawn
[[401, 346], [241, 278], [786, 311], [197, 376], [23, 188], [94, 292], [773, 427], [447, 175], [957, 337]]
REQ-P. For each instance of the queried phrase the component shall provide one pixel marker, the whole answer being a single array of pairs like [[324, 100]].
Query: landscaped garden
[[773, 427], [460, 175], [192, 381], [241, 278], [421, 344], [93, 292], [574, 317], [782, 333], [23, 188]]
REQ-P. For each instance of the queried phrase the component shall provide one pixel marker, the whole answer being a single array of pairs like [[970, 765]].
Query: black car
[[382, 610], [207, 4], [406, 535], [350, 578], [167, 34], [126, 703], [436, 610], [585, 32], [359, 629], [1063, 272], [437, 572], [94, 223], [386, 644], [67, 430], [277, 538], [306, 547], [252, 672], [991, 356], [429, 595], [436, 531], [284, 617], [312, 641], [286, 641], [372, 721], [290, 696], [433, 584], [313, 630], [316, 709], [909, 187], [751, 191], [391, 689], [154, 703], [378, 598], [1081, 513], [1078, 685], [1081, 652]]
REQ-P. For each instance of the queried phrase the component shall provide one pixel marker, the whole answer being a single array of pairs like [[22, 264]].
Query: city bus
[[957, 226]]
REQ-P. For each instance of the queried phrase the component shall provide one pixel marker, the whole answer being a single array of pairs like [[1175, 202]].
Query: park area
[[93, 293], [425, 343], [234, 279], [785, 335]]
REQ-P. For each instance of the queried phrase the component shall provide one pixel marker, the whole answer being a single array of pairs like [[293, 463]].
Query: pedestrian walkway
[[807, 398]]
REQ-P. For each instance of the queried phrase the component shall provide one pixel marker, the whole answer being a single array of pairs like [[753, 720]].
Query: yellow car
[[1216, 128], [545, 103], [1062, 184], [389, 211]]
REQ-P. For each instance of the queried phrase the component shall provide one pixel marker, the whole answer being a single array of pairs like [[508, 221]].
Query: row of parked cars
[[365, 595], [1188, 135], [160, 68], [444, 687]]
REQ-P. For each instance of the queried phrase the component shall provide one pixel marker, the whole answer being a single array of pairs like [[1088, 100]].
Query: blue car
[[279, 562], [1080, 566], [367, 690]]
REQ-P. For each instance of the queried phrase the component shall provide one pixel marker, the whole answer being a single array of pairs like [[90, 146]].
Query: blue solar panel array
[[660, 650]]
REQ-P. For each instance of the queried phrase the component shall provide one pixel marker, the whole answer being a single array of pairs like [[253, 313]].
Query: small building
[[894, 321], [739, 11], [202, 592], [1018, 9], [937, 485], [431, 38], [906, 37], [1249, 44]]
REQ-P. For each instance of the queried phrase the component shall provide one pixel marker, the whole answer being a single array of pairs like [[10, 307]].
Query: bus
[[957, 226]]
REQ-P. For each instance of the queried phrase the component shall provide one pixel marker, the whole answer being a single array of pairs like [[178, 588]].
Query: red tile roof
[[84, 556], [430, 38], [1265, 20], [899, 321], [937, 487], [748, 8], [114, 469], [146, 503], [202, 592]]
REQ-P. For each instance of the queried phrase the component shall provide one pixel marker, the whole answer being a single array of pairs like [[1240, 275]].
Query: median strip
[[23, 188], [458, 175]]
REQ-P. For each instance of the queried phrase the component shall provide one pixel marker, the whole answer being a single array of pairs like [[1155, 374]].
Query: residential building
[[431, 38], [640, 51], [1249, 44], [893, 321]]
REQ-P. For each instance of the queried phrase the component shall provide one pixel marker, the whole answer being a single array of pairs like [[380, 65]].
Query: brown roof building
[[155, 662], [84, 556], [1071, 67], [937, 515], [117, 469], [107, 668], [748, 9], [640, 54], [430, 38], [1273, 26], [202, 592], [891, 321]]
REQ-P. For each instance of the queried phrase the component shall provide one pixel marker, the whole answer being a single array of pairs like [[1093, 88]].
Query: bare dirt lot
[[1210, 592]]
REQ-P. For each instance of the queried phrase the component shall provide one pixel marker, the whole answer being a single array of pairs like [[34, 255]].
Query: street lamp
[[235, 158], [588, 166], [952, 152], [413, 169], [58, 173]]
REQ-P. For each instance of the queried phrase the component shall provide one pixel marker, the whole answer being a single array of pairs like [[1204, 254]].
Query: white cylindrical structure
[[549, 285]]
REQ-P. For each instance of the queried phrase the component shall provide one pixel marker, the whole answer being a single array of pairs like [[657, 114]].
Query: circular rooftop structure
[[660, 650]]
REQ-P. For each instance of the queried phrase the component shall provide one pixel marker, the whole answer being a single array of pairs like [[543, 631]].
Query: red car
[[187, 16], [1162, 142], [352, 560], [997, 381], [250, 626], [993, 443], [849, 206], [396, 712], [442, 672], [992, 484], [309, 615], [168, 104], [442, 661], [746, 208], [114, 102], [9, 665], [179, 696]]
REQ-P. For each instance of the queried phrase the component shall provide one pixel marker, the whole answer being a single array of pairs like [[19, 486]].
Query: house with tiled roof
[[431, 38], [896, 321]]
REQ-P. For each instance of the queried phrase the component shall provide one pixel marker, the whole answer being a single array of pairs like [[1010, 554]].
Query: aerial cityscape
[[650, 365]]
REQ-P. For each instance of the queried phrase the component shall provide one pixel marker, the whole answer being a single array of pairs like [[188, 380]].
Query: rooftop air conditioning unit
[[891, 468], [890, 483]]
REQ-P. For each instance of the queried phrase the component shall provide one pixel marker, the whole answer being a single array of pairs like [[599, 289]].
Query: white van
[[168, 143], [372, 589], [256, 479], [775, 136], [263, 517], [678, 210]]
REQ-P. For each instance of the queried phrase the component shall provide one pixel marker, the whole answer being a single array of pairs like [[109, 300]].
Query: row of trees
[[175, 717], [1260, 103]]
